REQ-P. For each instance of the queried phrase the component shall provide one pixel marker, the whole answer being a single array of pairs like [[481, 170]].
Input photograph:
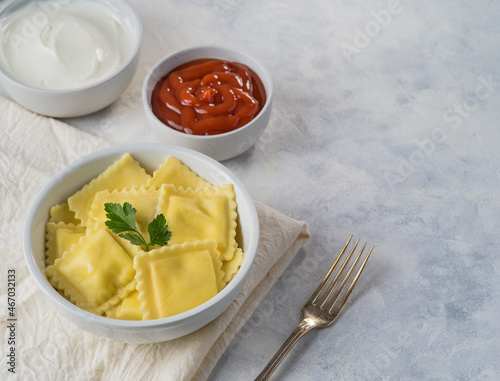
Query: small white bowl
[[222, 146], [82, 100], [150, 156]]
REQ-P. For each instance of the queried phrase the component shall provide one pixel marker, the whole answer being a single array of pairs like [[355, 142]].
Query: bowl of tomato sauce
[[211, 99]]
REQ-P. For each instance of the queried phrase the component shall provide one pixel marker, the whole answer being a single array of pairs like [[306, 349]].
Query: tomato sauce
[[208, 97]]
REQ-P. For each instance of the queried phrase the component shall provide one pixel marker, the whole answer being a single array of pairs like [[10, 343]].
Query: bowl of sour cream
[[67, 58]]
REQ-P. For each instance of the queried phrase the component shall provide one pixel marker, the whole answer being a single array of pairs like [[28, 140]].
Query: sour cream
[[61, 45]]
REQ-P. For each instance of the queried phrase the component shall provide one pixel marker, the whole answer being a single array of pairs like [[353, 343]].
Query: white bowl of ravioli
[[68, 58], [108, 285]]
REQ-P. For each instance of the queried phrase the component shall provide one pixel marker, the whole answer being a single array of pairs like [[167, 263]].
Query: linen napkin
[[47, 346]]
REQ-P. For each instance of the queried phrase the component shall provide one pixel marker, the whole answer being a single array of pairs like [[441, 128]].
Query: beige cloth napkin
[[48, 347]]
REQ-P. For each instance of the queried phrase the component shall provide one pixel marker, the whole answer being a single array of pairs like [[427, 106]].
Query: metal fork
[[325, 304]]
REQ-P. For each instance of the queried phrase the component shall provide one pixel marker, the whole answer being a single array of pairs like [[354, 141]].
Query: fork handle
[[304, 327]]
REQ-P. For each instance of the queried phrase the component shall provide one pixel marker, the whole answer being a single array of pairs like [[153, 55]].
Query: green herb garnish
[[121, 220]]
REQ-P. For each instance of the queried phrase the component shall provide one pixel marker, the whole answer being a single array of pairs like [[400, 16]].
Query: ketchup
[[208, 97]]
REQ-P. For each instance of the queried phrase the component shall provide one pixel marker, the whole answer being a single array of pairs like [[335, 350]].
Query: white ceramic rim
[[130, 324], [147, 101], [136, 39]]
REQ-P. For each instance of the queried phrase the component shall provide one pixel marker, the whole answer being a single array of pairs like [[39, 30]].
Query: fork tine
[[324, 281], [338, 290], [347, 294], [337, 277]]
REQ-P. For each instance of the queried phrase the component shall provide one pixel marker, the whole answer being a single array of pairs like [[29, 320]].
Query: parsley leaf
[[121, 221], [158, 231]]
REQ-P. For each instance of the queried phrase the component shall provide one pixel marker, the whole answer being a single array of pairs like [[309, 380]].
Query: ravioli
[[106, 274], [128, 309], [174, 172], [95, 274], [144, 200], [124, 173], [61, 213], [60, 237], [199, 214], [231, 267], [174, 279]]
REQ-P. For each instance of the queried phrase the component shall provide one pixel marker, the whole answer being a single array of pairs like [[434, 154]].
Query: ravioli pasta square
[[174, 279], [231, 267], [61, 213], [200, 214], [144, 200], [174, 172], [96, 274], [60, 237], [124, 173], [128, 309], [131, 249]]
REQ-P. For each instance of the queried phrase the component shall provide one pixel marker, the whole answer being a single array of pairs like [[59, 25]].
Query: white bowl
[[222, 146], [150, 156], [82, 100]]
